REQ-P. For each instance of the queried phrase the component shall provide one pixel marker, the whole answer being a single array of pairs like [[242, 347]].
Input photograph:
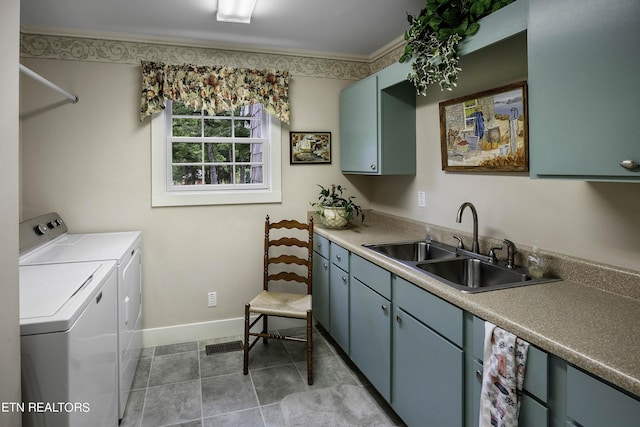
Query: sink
[[413, 251], [463, 270], [476, 275]]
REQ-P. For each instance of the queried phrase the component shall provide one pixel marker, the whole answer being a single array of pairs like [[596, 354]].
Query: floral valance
[[214, 89]]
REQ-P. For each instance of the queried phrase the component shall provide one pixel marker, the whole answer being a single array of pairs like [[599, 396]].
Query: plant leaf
[[472, 29]]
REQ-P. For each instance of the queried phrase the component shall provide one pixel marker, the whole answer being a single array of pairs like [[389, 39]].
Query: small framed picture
[[310, 147], [486, 131]]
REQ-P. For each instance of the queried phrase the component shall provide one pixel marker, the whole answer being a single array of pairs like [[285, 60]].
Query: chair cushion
[[281, 304]]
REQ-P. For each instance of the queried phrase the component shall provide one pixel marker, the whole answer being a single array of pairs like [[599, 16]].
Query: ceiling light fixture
[[235, 10]]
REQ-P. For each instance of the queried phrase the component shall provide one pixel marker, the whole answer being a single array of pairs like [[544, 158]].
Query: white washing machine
[[45, 240], [68, 339]]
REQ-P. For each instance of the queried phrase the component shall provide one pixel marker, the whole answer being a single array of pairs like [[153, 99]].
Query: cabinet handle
[[479, 374], [344, 279], [384, 307], [338, 257], [373, 167], [398, 319], [629, 164], [325, 265]]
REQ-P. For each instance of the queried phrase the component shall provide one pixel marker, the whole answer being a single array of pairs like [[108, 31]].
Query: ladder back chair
[[293, 266]]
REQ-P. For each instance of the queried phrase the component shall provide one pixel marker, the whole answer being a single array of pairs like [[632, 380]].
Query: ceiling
[[333, 28]]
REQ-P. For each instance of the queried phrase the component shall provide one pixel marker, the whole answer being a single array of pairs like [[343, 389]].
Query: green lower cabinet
[[339, 306], [320, 298], [592, 403], [370, 335], [427, 380]]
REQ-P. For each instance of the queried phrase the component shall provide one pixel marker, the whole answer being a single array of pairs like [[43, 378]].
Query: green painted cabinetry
[[320, 285], [427, 374], [320, 290], [370, 324], [378, 124], [592, 403], [339, 295], [583, 65]]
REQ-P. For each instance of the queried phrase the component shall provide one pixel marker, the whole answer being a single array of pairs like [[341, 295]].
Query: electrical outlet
[[212, 298], [422, 202]]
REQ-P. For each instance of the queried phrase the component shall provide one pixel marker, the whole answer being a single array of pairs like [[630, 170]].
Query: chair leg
[[309, 348], [246, 339], [265, 328]]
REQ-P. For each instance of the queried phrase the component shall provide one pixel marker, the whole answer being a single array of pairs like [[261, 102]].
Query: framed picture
[[486, 131], [310, 147]]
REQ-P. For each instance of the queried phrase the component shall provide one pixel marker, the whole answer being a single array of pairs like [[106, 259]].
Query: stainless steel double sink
[[463, 272]]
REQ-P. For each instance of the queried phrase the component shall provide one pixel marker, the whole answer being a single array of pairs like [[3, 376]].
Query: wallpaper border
[[46, 46]]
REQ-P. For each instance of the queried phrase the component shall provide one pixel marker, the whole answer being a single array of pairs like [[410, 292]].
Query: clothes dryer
[[46, 240]]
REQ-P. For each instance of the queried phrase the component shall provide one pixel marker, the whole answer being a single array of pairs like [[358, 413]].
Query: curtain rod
[[46, 82]]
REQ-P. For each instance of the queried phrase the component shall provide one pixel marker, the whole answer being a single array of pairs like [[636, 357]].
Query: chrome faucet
[[474, 245]]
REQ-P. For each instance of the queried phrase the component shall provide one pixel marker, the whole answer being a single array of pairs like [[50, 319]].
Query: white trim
[[161, 197], [206, 330]]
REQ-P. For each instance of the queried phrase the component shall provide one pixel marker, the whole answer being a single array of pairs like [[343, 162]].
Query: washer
[[45, 240], [68, 340]]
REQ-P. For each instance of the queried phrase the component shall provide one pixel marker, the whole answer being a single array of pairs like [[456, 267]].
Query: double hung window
[[223, 158]]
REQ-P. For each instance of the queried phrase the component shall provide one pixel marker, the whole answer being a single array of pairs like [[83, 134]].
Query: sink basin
[[475, 275], [414, 251], [458, 269]]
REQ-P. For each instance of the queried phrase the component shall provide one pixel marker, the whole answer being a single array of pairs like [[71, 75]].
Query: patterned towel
[[505, 356]]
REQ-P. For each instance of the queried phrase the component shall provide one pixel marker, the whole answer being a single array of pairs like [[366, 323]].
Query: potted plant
[[335, 210], [433, 37]]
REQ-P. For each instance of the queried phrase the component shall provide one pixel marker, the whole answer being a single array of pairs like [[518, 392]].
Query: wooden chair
[[282, 267]]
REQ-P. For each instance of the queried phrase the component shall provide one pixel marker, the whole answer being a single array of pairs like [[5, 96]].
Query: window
[[201, 159]]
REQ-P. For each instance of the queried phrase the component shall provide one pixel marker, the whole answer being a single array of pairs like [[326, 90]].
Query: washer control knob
[[40, 229], [53, 223]]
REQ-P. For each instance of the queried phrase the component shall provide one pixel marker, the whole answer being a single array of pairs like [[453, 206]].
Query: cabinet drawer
[[536, 380], [375, 277], [321, 245], [339, 256], [437, 314], [591, 402]]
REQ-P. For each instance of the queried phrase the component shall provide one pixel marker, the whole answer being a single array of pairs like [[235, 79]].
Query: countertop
[[593, 329]]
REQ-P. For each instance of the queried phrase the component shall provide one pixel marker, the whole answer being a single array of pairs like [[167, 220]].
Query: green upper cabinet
[[378, 124], [584, 64]]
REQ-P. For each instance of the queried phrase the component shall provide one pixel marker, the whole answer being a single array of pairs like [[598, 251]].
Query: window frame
[[163, 192]]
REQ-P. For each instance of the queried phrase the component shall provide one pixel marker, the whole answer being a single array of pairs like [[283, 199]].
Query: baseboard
[[175, 334]]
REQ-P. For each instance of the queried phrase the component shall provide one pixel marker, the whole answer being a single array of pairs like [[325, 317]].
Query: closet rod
[[46, 82]]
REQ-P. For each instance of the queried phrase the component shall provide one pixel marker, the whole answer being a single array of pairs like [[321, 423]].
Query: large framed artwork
[[486, 131], [310, 147]]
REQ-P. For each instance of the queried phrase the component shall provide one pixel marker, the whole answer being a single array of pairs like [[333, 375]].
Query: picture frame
[[310, 147], [486, 131]]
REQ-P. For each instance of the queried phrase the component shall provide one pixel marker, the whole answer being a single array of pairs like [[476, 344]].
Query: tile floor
[[179, 385]]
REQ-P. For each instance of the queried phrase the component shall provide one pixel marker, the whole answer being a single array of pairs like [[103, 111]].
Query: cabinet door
[[591, 402], [359, 127], [320, 290], [583, 81], [370, 344], [427, 375], [339, 306]]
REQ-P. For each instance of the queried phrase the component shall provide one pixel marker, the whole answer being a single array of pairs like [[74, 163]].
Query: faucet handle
[[460, 244], [492, 253]]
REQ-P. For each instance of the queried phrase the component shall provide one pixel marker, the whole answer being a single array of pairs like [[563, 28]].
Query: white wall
[[91, 163], [9, 302], [595, 221]]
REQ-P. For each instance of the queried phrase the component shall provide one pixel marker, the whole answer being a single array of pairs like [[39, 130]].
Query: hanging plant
[[433, 37]]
